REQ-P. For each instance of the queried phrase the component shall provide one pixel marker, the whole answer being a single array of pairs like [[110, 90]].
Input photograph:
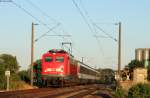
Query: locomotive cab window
[[59, 59], [48, 59]]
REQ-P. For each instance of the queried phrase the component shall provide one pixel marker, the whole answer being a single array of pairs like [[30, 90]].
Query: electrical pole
[[82, 59], [119, 50], [32, 52]]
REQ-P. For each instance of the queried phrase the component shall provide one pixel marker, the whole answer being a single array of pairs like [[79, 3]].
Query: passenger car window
[[48, 59], [59, 59]]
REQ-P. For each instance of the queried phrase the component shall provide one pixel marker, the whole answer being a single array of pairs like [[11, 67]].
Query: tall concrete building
[[143, 54]]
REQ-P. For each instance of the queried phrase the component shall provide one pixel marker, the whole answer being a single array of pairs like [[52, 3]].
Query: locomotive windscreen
[[59, 59], [48, 59]]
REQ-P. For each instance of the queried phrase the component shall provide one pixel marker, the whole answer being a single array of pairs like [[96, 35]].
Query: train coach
[[60, 68]]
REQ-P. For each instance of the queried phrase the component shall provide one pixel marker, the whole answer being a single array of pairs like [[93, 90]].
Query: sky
[[81, 19]]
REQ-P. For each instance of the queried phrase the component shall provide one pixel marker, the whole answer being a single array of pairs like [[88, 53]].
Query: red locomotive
[[60, 68]]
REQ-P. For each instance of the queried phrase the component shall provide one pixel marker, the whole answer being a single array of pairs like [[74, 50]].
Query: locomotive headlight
[[47, 70], [61, 69]]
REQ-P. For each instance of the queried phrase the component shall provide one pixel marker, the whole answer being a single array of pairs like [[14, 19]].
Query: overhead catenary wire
[[27, 12], [41, 22], [5, 0], [47, 32], [90, 20], [55, 21], [38, 20], [105, 32], [90, 26], [79, 10], [40, 10], [86, 13], [94, 24], [99, 44], [49, 17], [106, 23], [86, 21]]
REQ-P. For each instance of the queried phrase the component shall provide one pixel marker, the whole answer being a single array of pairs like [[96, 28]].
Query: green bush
[[119, 93], [24, 75], [14, 81], [2, 82], [139, 91]]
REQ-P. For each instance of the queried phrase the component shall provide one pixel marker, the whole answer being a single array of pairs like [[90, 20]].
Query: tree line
[[9, 62]]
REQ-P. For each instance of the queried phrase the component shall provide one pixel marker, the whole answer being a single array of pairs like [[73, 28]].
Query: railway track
[[82, 94], [21, 93], [68, 92]]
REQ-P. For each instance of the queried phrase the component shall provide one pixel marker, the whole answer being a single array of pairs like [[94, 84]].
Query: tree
[[37, 64], [24, 75], [135, 64], [2, 68], [37, 68], [107, 76], [9, 62]]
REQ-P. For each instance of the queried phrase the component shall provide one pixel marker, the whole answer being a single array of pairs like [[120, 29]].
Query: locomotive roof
[[57, 51], [60, 51]]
